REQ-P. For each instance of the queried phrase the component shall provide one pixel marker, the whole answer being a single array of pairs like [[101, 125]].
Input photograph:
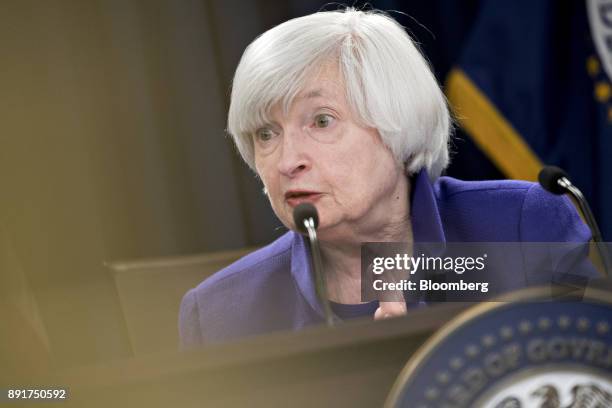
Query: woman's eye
[[264, 135], [323, 120]]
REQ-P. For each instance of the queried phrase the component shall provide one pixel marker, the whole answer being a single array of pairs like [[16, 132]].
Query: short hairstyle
[[389, 85]]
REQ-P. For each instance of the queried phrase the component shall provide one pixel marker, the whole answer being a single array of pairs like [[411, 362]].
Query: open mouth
[[296, 197]]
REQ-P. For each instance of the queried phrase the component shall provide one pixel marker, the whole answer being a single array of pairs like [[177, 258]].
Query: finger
[[390, 309]]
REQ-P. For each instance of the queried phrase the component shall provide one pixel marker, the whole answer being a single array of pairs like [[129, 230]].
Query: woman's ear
[[264, 189]]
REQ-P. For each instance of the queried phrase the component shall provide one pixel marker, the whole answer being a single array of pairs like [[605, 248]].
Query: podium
[[354, 364]]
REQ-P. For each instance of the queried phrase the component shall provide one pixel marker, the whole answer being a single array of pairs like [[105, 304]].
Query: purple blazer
[[271, 289]]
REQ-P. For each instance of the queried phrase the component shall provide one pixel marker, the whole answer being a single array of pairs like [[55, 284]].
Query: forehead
[[324, 84]]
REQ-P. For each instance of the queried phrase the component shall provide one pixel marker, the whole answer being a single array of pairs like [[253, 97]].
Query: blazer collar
[[424, 212]]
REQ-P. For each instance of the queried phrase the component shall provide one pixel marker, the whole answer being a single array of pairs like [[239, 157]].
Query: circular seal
[[600, 21], [512, 354]]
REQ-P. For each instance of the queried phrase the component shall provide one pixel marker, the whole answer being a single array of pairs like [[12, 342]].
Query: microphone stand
[[320, 286], [590, 219]]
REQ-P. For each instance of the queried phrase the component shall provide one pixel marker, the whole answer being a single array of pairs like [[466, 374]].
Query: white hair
[[388, 83]]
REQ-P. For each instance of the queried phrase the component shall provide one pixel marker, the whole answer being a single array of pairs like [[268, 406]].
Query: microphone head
[[549, 177], [302, 212]]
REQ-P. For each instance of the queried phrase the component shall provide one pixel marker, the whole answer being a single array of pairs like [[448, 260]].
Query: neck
[[342, 259]]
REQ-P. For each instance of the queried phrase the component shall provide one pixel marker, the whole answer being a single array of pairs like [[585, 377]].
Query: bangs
[[256, 109], [278, 87]]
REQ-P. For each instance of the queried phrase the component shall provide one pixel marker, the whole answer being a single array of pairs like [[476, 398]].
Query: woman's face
[[318, 153]]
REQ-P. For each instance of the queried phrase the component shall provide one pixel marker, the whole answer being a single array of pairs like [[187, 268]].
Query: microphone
[[554, 180], [306, 219], [303, 214]]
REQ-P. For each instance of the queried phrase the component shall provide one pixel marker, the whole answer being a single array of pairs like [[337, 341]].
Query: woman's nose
[[294, 156]]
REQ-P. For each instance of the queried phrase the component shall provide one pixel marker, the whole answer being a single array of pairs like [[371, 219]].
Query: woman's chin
[[334, 233], [327, 230]]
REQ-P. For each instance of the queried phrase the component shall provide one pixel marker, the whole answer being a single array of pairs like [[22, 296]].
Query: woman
[[339, 109]]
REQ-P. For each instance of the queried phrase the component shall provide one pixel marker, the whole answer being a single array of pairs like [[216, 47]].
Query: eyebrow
[[314, 94]]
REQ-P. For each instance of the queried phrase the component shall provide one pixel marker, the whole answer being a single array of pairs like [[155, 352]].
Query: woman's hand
[[387, 310]]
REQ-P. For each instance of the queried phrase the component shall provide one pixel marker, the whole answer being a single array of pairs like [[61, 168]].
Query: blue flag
[[531, 87]]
